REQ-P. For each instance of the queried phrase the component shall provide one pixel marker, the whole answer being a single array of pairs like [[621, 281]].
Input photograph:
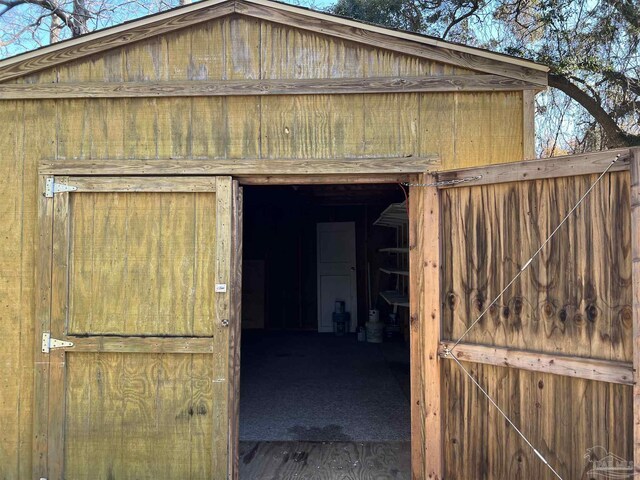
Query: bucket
[[374, 332]]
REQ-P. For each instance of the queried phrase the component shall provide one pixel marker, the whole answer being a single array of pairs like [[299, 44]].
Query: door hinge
[[48, 343], [51, 187]]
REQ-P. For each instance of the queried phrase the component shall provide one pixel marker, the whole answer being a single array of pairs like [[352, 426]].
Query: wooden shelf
[[393, 271], [395, 250], [395, 298], [395, 215]]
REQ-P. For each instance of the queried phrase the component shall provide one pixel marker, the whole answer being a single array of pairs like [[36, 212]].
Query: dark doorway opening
[[311, 391]]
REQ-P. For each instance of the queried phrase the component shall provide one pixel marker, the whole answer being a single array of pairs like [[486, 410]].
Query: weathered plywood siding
[[575, 300], [20, 147], [116, 401], [237, 47], [465, 128], [563, 418], [576, 296]]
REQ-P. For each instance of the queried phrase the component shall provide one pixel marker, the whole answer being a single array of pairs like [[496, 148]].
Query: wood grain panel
[[287, 52], [140, 416], [207, 60], [391, 124], [177, 59], [488, 128], [469, 129], [438, 127], [293, 53], [110, 38], [173, 123], [35, 298], [141, 249], [10, 286], [575, 298], [319, 126], [321, 460], [242, 47], [208, 128], [564, 418], [140, 128], [109, 66], [243, 127], [93, 69], [360, 33], [145, 60], [635, 252]]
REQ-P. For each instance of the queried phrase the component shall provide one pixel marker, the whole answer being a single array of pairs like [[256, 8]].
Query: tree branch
[[474, 7], [627, 83], [65, 17], [615, 136]]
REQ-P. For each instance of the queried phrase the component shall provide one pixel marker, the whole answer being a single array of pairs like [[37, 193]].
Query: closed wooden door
[[336, 246], [144, 288]]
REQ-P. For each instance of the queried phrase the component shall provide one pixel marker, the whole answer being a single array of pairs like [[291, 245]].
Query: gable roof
[[396, 40]]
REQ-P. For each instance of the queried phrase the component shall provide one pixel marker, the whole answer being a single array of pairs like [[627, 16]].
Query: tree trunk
[[615, 136], [80, 17], [54, 30]]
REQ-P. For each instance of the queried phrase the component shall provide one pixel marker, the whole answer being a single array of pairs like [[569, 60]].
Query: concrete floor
[[310, 387]]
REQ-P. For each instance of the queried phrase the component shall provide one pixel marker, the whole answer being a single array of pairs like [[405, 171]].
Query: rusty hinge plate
[[49, 343]]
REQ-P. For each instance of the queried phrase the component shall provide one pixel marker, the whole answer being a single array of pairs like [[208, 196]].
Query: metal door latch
[[225, 323], [48, 343]]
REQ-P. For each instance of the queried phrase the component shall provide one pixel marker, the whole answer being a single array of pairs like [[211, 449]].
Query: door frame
[[425, 277]]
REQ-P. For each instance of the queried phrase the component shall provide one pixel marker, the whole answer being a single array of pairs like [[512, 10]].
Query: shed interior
[[302, 382]]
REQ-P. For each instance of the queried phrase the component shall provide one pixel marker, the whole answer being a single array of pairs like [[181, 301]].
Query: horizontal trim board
[[578, 367], [241, 167], [343, 179], [322, 86], [143, 184], [554, 167], [140, 344]]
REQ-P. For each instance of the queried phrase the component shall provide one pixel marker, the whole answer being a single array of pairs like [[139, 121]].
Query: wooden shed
[[124, 154]]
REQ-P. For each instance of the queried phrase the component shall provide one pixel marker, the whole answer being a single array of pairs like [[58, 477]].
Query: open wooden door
[[141, 345]]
